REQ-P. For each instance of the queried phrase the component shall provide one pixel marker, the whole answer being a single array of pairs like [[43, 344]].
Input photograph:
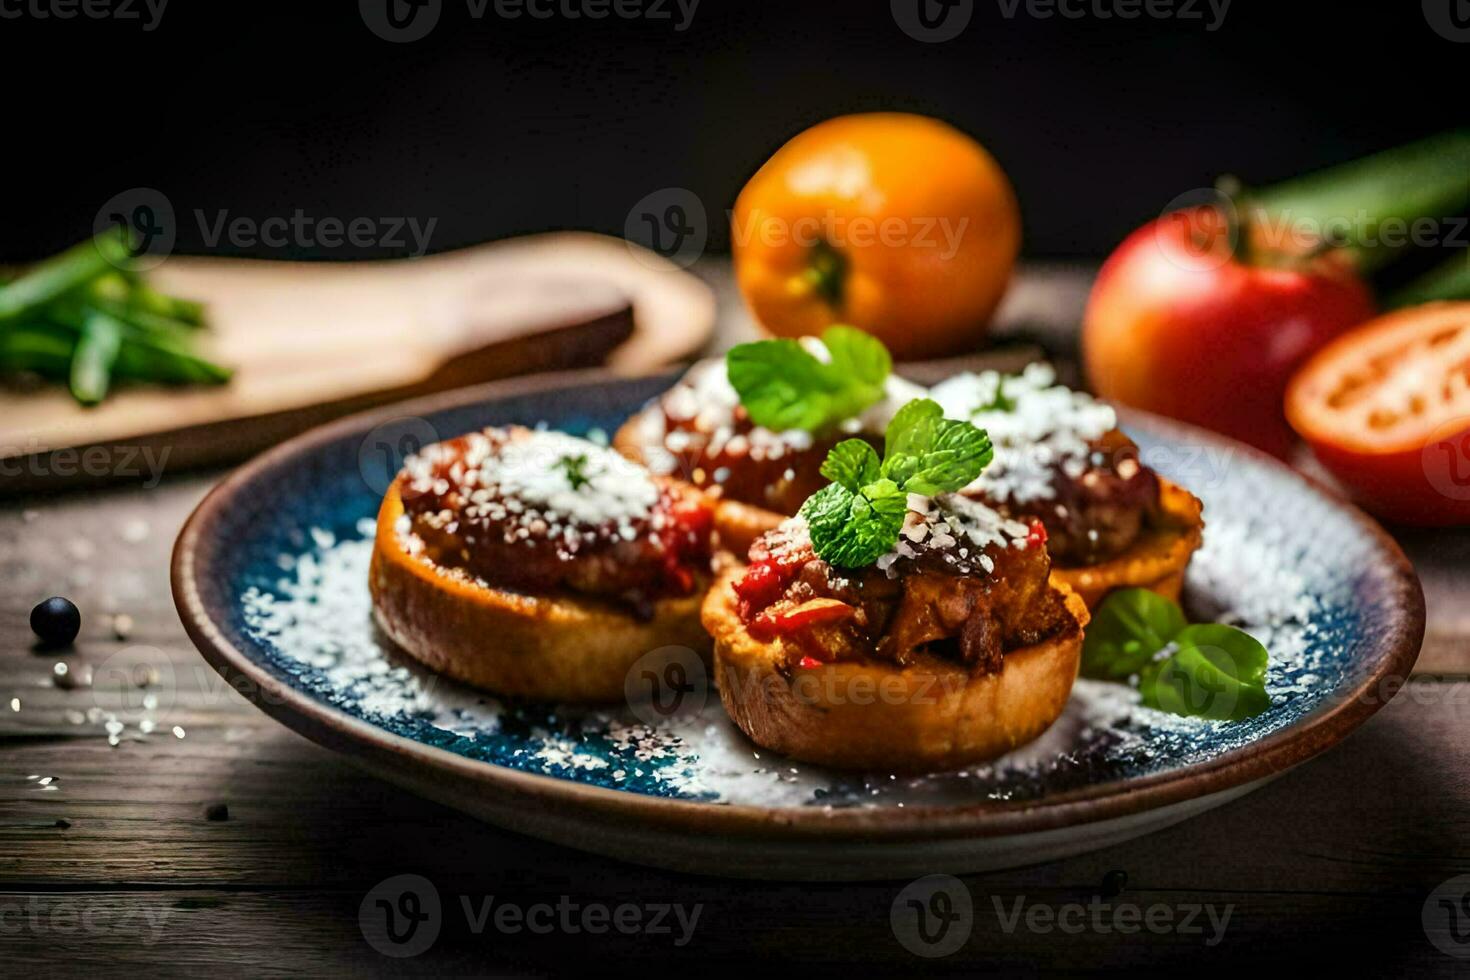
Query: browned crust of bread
[[930, 715], [738, 524], [1156, 562], [544, 647]]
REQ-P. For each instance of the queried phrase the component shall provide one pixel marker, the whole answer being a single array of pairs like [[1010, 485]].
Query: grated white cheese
[[960, 528], [1049, 428], [522, 478]]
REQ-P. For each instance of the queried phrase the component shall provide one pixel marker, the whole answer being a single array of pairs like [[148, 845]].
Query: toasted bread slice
[[556, 648], [1156, 561], [931, 715]]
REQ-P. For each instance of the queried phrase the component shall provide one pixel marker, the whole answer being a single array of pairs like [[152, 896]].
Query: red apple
[[1181, 323]]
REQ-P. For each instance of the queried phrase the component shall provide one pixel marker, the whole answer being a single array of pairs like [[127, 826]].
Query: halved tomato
[[1386, 408]]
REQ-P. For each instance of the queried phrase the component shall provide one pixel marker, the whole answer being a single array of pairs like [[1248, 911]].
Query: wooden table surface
[[223, 842]]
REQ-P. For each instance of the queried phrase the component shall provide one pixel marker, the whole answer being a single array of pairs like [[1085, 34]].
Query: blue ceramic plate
[[270, 577]]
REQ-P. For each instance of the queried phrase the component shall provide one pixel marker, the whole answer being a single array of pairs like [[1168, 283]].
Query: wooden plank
[[312, 340], [306, 838]]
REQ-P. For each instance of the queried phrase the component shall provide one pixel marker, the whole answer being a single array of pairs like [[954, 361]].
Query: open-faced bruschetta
[[811, 393], [1111, 522], [893, 624], [537, 564]]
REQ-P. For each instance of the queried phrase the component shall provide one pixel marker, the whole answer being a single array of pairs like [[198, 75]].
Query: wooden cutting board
[[311, 340]]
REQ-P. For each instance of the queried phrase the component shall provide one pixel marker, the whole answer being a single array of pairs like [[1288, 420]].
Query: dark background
[[497, 127]]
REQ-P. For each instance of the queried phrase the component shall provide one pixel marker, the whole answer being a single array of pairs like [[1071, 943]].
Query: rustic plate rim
[[335, 729]]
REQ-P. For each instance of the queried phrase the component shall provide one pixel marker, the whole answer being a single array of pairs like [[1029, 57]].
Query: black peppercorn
[[56, 621]]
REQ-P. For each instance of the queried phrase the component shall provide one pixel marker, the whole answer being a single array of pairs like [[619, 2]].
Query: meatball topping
[[699, 430], [1060, 458], [543, 511], [962, 583]]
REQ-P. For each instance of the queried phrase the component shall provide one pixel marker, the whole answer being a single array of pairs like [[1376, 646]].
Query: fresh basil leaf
[[1126, 631], [1216, 672], [858, 355], [784, 386], [852, 463]]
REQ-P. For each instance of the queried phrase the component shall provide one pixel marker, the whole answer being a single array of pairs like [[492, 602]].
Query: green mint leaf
[[780, 384], [858, 355], [857, 518], [1126, 631], [911, 430], [852, 463], [926, 453], [826, 513], [960, 451], [1216, 672], [783, 386], [851, 529]]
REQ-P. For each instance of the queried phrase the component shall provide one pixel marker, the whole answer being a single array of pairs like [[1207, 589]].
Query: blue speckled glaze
[[287, 586]]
